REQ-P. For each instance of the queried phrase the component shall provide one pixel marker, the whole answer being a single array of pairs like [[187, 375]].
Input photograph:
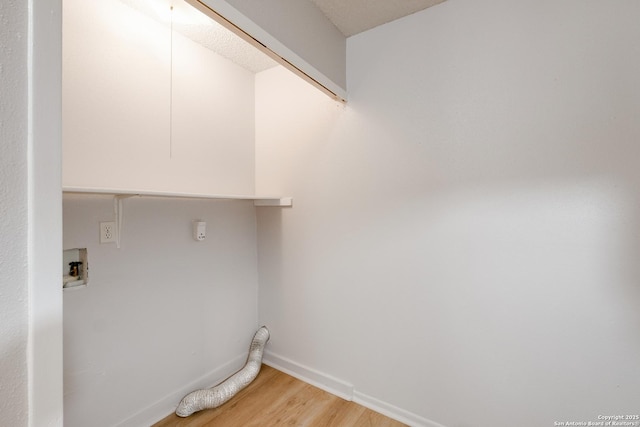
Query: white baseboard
[[344, 390], [392, 411], [319, 379], [167, 405]]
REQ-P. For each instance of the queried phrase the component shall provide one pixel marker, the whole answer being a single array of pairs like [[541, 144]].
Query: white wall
[[465, 238], [161, 316], [164, 314], [116, 105], [30, 230], [13, 210], [45, 214]]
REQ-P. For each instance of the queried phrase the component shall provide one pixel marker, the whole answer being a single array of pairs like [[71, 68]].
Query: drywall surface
[[45, 214], [160, 314], [30, 208], [297, 31], [13, 211], [466, 232], [143, 110]]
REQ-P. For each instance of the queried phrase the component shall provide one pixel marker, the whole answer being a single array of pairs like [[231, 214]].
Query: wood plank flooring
[[277, 399]]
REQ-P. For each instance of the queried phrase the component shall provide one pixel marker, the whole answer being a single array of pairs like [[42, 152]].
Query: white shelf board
[[257, 200]]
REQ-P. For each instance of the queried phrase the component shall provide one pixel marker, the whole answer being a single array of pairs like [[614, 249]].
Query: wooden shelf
[[257, 200]]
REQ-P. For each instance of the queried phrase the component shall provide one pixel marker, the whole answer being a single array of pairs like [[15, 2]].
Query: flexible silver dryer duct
[[216, 396]]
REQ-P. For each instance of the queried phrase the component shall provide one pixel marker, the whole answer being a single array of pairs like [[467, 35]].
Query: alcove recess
[[160, 112]]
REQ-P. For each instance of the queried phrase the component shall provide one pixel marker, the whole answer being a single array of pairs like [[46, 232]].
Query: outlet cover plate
[[108, 232]]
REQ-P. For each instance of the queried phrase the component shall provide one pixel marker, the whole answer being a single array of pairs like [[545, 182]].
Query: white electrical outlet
[[199, 230], [107, 232]]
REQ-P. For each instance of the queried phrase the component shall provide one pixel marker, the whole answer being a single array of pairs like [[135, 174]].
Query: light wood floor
[[277, 399]]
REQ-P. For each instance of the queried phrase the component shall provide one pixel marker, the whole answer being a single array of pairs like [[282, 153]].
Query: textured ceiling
[[349, 16], [355, 16], [195, 25]]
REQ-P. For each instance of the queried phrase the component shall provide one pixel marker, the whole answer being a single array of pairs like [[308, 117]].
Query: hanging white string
[[171, 88]]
